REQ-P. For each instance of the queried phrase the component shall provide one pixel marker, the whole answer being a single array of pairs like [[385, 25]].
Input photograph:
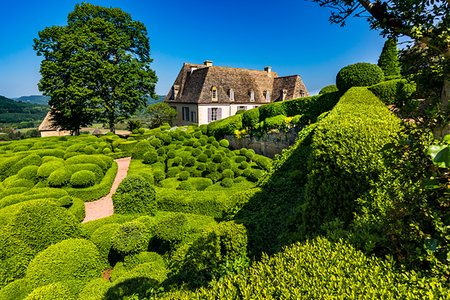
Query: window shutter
[[209, 114], [219, 114]]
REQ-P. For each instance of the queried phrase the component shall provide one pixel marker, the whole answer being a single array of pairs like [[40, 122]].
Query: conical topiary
[[388, 60]]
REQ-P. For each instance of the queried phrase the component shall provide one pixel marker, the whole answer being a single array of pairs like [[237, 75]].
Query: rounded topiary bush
[[227, 173], [329, 89], [227, 182], [73, 262], [360, 74], [52, 291], [224, 143], [184, 175], [131, 237], [83, 178], [150, 157], [135, 194], [47, 168], [101, 237], [185, 186], [59, 177], [158, 175], [40, 223], [28, 172]]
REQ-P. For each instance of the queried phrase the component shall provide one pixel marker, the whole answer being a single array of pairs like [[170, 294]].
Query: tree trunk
[[441, 131]]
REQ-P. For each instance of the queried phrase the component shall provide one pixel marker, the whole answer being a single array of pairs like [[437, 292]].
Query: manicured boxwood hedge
[[40, 223], [134, 194], [320, 269], [73, 262], [346, 156], [394, 91], [52, 291], [98, 190]]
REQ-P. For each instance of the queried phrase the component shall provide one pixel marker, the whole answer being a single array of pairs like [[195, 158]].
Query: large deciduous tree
[[96, 67], [424, 21]]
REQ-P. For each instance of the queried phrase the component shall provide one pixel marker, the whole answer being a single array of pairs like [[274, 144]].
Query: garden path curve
[[103, 207]]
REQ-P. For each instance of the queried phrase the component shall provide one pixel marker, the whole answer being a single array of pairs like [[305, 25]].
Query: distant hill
[[13, 111], [38, 99]]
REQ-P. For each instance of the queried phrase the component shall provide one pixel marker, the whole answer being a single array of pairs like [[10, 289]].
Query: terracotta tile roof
[[194, 84]]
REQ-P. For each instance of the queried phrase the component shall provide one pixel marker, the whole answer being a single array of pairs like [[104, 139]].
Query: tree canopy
[[96, 67], [426, 22], [160, 113]]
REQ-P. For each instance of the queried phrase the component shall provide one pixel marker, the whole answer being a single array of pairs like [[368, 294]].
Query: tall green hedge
[[388, 60], [396, 92], [320, 269], [225, 126], [346, 156]]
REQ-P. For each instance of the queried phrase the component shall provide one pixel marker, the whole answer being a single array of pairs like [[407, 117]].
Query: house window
[[172, 94], [213, 93], [283, 94], [267, 96], [214, 114], [252, 95], [193, 116], [302, 94], [231, 95], [185, 113], [241, 107]]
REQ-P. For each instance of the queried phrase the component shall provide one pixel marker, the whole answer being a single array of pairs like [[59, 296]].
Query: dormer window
[[267, 96], [172, 94], [231, 93], [213, 93], [302, 94], [252, 95], [283, 94]]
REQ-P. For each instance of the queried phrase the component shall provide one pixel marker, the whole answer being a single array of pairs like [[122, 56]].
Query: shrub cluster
[[135, 194]]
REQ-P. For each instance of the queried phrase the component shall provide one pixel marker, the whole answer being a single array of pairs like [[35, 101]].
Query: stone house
[[206, 93]]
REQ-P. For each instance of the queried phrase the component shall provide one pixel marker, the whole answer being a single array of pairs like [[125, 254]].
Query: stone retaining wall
[[268, 145]]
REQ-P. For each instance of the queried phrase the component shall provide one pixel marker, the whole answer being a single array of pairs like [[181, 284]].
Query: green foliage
[[59, 177], [328, 89], [97, 191], [160, 113], [52, 291], [102, 239], [150, 157], [90, 167], [134, 195], [17, 289], [347, 142], [226, 126], [40, 223], [271, 110], [130, 238], [141, 148], [276, 122], [250, 118], [184, 175], [95, 289], [206, 257], [224, 143], [28, 172], [227, 182], [85, 45], [359, 74], [321, 269], [47, 168], [73, 262], [83, 178], [388, 60], [397, 92]]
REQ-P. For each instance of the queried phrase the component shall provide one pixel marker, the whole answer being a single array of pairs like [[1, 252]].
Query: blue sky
[[291, 36]]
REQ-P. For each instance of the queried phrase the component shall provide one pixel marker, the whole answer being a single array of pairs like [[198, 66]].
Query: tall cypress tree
[[388, 60]]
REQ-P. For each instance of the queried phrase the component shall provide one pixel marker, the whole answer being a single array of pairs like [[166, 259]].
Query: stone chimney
[[207, 63], [268, 70]]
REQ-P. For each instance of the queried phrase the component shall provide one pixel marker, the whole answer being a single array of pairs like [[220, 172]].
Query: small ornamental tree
[[160, 113], [388, 60]]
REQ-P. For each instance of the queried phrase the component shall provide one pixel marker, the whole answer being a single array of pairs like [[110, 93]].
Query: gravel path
[[104, 206]]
